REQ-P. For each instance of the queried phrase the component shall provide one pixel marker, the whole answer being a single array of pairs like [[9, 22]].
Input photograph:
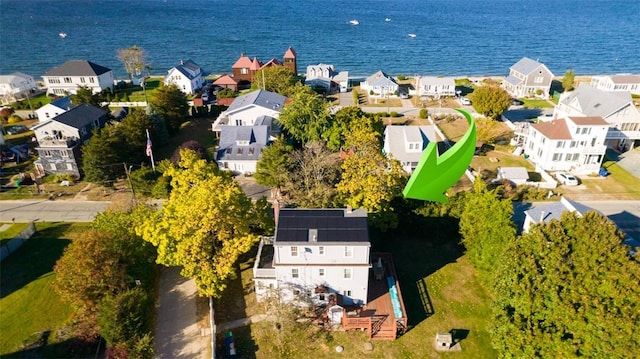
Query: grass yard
[[12, 231], [440, 289], [619, 184], [536, 103], [28, 304]]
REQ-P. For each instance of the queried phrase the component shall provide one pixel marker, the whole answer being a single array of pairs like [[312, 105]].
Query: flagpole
[[150, 150]]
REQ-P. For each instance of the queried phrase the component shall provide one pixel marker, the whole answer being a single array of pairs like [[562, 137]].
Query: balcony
[[65, 142], [263, 267], [615, 134]]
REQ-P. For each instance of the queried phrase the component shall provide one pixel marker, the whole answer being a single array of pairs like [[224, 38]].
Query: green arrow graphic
[[435, 174]]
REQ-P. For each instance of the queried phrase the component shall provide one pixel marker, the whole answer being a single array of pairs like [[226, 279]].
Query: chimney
[[349, 209], [276, 210]]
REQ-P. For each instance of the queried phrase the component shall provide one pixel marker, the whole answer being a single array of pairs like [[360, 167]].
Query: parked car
[[516, 102], [404, 95], [465, 101], [205, 97], [566, 179], [17, 129]]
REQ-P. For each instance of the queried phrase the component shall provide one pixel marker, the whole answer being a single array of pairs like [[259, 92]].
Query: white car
[[465, 101], [567, 179]]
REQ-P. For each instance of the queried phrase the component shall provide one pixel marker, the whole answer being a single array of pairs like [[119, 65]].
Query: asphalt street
[[50, 210]]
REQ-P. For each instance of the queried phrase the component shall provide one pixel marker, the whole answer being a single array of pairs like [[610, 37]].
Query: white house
[[380, 84], [527, 78], [406, 143], [315, 249], [247, 110], [573, 144], [66, 78], [624, 83], [435, 86], [546, 212], [54, 108], [187, 76], [240, 147], [616, 108], [15, 86], [326, 77]]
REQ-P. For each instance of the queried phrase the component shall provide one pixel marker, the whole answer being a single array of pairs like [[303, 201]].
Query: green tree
[[84, 94], [567, 289], [341, 123], [306, 117], [102, 156], [486, 227], [369, 178], [274, 165], [314, 173], [568, 80], [126, 316], [226, 93], [278, 79], [490, 100], [171, 105], [133, 130], [133, 59], [203, 227]]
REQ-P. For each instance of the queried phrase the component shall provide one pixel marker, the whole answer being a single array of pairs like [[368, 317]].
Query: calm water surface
[[453, 37]]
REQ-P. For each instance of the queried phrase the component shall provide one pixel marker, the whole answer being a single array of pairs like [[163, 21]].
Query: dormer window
[[414, 146]]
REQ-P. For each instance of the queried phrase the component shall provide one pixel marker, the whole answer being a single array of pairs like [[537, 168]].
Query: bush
[[402, 77], [370, 92], [394, 114], [226, 93], [424, 113], [14, 119]]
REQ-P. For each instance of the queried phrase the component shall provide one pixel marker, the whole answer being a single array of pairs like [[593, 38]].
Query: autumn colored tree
[[370, 179], [565, 289], [490, 100], [203, 227], [133, 59], [306, 117], [341, 125]]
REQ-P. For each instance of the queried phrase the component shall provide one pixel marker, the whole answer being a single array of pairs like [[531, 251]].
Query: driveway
[[178, 334]]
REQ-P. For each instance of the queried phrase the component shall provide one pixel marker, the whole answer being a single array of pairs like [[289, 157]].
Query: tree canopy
[[278, 79], [204, 226], [567, 288], [171, 105], [306, 117], [84, 94], [568, 80], [490, 100], [133, 59], [274, 165]]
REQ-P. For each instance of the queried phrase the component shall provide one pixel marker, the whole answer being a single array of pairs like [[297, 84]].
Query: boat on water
[[62, 35], [354, 22], [412, 35], [387, 19]]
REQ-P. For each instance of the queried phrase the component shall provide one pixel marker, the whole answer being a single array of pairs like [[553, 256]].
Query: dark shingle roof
[[80, 116], [262, 98], [332, 225], [78, 68], [256, 136]]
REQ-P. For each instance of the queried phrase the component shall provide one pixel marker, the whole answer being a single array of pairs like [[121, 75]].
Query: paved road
[[625, 214], [50, 211]]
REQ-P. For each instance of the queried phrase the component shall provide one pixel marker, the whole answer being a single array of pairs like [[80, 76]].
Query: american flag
[[148, 145]]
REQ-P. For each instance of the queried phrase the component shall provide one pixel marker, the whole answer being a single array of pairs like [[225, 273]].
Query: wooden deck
[[377, 317]]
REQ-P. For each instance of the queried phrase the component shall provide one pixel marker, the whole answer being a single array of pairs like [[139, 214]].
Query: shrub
[[14, 119], [402, 77], [393, 114], [226, 93], [370, 92], [424, 113]]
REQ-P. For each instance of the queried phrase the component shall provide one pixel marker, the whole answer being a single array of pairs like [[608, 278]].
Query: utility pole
[[127, 171]]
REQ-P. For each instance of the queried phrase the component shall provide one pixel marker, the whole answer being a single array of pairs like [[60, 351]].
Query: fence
[[17, 241]]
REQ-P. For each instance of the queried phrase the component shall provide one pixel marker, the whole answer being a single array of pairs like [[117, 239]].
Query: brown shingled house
[[244, 69]]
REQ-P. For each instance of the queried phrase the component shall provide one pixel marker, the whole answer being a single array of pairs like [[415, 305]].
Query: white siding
[[310, 254], [247, 116]]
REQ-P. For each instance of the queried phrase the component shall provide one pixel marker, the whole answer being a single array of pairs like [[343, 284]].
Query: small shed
[[444, 340], [517, 175]]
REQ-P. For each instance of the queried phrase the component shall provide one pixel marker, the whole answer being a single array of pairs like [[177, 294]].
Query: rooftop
[[327, 225]]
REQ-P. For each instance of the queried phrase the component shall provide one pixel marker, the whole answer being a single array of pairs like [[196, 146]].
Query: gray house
[[241, 146], [528, 77], [61, 138], [406, 143]]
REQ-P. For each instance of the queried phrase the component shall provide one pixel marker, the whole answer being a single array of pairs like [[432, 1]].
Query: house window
[[52, 166], [238, 122], [96, 123], [92, 80], [538, 79], [83, 131], [47, 153], [69, 166], [82, 79], [346, 293], [348, 252], [557, 157], [572, 144], [575, 157], [321, 250], [244, 71], [64, 153], [321, 272], [67, 80], [321, 296], [251, 150], [347, 273], [560, 144], [296, 292], [294, 251], [586, 130], [295, 273], [239, 150], [577, 130]]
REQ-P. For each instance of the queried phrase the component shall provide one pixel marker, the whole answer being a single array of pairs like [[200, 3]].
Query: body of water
[[452, 37]]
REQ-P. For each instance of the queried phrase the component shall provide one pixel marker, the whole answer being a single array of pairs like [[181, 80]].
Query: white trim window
[[347, 273], [321, 250], [295, 273], [321, 272], [294, 251], [348, 251]]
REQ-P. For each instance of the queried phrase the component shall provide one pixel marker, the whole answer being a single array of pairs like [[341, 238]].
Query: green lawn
[[533, 103], [28, 304], [441, 292], [12, 231]]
